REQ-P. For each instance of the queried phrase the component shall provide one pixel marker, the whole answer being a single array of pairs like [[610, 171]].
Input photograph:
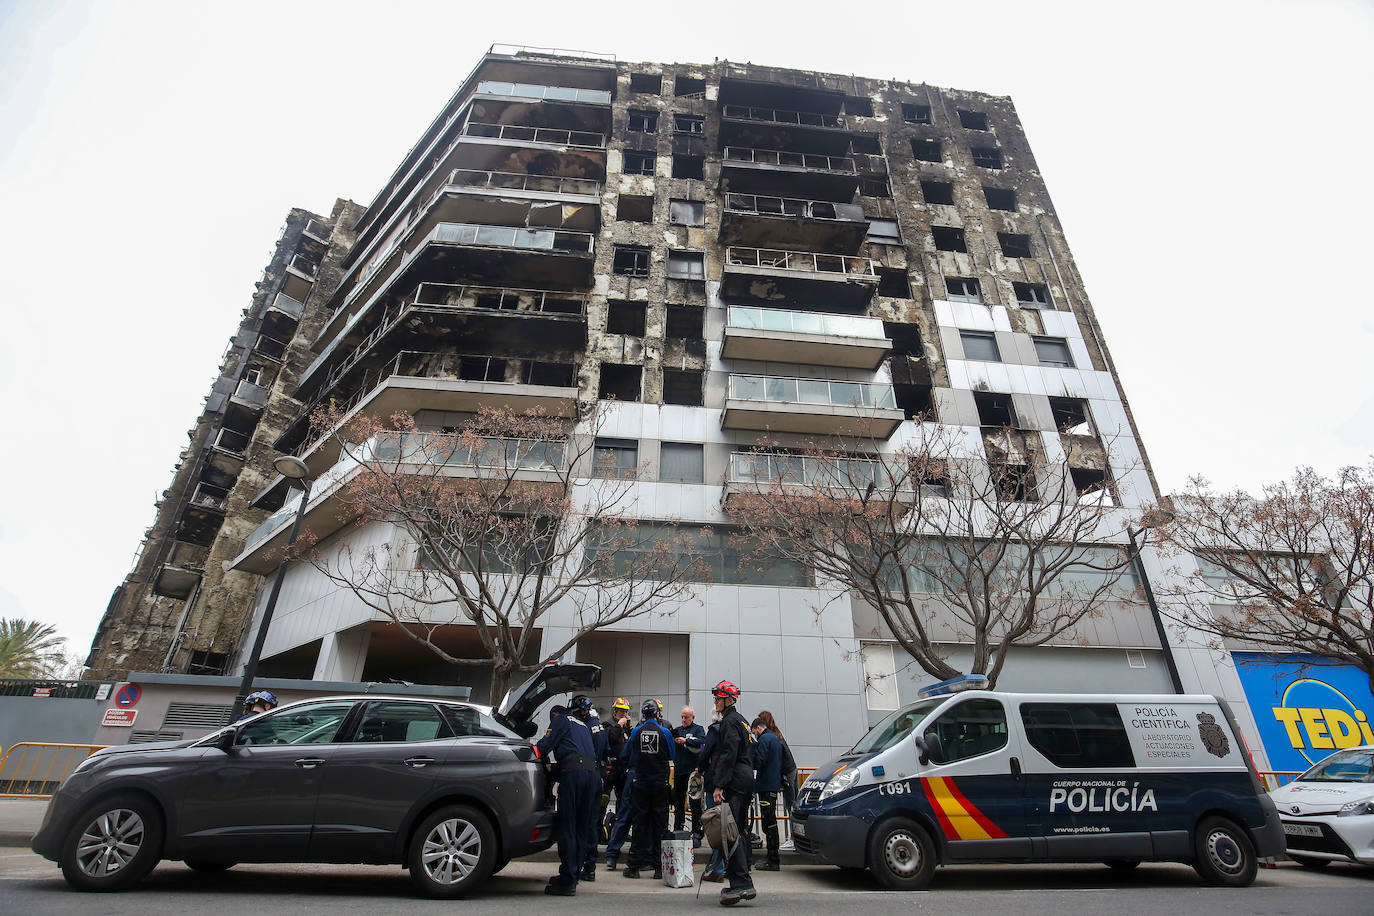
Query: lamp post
[[296, 471], [1155, 518]]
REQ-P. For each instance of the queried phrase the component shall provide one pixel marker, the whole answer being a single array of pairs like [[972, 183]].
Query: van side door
[[1086, 799], [975, 786]]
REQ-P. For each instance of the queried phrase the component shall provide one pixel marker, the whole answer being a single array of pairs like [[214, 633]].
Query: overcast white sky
[[1209, 161]]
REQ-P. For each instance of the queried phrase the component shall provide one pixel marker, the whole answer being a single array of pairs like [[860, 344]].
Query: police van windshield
[[895, 727], [1345, 766]]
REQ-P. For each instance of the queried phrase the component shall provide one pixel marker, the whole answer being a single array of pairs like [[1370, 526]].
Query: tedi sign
[[1306, 707]]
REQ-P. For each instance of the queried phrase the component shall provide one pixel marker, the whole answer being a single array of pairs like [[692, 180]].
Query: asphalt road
[[30, 885]]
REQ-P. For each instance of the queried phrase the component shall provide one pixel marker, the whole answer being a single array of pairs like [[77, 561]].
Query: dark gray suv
[[451, 790]]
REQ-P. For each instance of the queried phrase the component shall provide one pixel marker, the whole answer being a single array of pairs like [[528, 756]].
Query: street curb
[[14, 838]]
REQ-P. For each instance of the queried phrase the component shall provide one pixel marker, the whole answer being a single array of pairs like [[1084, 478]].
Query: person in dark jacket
[[715, 870], [789, 764], [650, 754], [767, 784], [570, 741], [688, 737], [732, 774], [601, 742]]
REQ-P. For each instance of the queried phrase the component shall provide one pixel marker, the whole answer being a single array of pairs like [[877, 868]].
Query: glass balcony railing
[[544, 93], [556, 136], [466, 451], [517, 181], [249, 393], [792, 207], [417, 448], [789, 159], [288, 306], [807, 261], [761, 319], [782, 116], [764, 468], [558, 240], [772, 390]]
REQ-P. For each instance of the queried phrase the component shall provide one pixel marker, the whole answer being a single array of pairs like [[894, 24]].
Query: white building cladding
[[731, 252]]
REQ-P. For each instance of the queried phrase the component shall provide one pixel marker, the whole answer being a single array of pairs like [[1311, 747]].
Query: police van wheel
[[1225, 855], [451, 852], [901, 855], [1122, 865]]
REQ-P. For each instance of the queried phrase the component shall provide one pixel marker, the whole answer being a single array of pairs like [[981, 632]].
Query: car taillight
[[527, 753], [535, 748]]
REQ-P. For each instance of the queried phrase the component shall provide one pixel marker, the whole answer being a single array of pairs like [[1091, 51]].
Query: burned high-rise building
[[728, 251]]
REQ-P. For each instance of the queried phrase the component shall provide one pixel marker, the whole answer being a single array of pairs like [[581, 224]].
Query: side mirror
[[932, 751], [225, 739]]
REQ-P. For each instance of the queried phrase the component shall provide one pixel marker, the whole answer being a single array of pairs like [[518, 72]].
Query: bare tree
[[510, 524], [947, 547], [1291, 571]]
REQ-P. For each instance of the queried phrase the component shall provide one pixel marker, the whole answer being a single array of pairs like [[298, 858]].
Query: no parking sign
[[128, 695]]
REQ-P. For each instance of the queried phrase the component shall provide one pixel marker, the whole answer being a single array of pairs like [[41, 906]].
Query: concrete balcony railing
[[811, 406], [810, 338], [537, 93]]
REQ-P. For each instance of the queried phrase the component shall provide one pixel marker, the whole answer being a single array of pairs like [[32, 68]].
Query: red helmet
[[725, 689]]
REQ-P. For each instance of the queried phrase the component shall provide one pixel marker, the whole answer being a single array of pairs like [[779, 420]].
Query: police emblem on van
[[1213, 735]]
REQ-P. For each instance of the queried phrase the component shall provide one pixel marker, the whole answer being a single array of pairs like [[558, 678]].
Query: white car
[[1328, 812]]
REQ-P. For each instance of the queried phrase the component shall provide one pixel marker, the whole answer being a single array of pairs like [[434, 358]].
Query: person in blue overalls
[[650, 757], [579, 782]]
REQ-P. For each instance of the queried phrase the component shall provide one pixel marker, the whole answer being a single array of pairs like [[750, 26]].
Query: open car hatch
[[518, 707]]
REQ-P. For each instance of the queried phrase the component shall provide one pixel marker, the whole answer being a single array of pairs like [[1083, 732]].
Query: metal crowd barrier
[[34, 769]]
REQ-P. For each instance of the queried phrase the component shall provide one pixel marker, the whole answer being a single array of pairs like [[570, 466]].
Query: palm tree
[[29, 648]]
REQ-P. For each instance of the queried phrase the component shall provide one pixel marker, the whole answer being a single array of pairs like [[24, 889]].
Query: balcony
[[316, 231], [809, 338], [803, 131], [749, 170], [415, 381], [766, 222], [768, 275], [291, 308], [250, 395], [227, 451], [762, 473], [811, 407], [180, 571], [464, 464], [299, 277], [536, 93], [492, 316]]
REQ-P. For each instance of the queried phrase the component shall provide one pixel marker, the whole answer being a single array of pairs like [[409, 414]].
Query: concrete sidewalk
[[19, 819]]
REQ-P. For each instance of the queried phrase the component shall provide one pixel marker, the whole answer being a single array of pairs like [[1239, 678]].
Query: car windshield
[[1343, 766], [895, 727]]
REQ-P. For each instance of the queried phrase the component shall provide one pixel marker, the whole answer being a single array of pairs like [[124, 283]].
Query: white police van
[[965, 774]]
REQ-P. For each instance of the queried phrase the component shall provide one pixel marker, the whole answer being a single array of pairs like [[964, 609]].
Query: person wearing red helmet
[[732, 774]]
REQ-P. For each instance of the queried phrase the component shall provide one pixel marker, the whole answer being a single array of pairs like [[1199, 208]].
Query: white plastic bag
[[677, 862]]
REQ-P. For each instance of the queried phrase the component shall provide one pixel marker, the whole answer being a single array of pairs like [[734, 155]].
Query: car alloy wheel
[[112, 843], [451, 851], [109, 843]]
